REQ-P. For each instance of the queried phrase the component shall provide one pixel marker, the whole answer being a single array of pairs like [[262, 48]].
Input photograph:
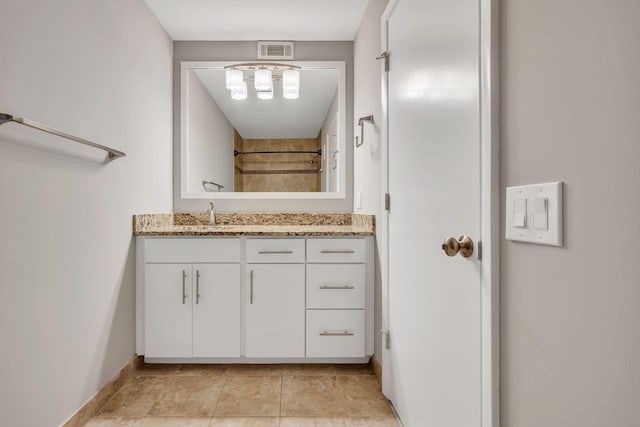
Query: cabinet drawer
[[192, 250], [336, 250], [275, 250], [335, 333], [335, 286]]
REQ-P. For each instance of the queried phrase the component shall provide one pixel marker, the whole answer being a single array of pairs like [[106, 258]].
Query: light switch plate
[[552, 192]]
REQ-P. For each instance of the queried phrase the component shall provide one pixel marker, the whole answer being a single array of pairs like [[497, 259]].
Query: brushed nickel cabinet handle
[[336, 334], [251, 286], [336, 287], [197, 286], [346, 251], [184, 286], [274, 252]]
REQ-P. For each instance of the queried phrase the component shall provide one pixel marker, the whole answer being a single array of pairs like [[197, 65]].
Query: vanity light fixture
[[264, 75], [234, 79], [240, 94], [264, 94]]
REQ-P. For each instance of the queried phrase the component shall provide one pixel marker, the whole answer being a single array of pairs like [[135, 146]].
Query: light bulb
[[239, 94], [235, 78], [263, 80], [290, 92], [266, 94], [290, 79]]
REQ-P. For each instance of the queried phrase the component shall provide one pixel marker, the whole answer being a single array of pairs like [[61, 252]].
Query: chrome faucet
[[212, 213]]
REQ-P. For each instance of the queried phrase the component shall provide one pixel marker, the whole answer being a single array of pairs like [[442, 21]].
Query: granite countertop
[[254, 224]]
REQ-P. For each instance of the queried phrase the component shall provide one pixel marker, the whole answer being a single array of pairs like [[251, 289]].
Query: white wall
[[570, 111], [210, 134], [326, 125], [101, 70], [367, 166], [246, 51]]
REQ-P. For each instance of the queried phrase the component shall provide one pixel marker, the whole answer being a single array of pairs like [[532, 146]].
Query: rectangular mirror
[[276, 134]]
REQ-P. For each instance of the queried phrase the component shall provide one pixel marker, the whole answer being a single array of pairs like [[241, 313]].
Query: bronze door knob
[[462, 245]]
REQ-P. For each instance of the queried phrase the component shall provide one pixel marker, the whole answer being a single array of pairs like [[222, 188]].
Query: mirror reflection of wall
[[262, 145]]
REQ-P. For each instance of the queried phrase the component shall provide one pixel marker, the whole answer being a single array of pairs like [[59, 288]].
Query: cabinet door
[[167, 296], [275, 309], [216, 310]]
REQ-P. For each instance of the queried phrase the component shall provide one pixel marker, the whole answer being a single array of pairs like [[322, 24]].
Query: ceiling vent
[[275, 50]]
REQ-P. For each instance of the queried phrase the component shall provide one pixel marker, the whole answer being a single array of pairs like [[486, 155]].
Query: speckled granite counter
[[254, 224]]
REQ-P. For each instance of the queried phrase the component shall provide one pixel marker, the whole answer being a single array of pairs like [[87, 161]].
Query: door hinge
[[479, 250], [385, 56], [387, 202], [387, 338]]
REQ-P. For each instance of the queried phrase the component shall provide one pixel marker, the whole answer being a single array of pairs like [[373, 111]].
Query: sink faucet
[[212, 213]]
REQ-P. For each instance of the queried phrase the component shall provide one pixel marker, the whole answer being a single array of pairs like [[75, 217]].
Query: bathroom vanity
[[255, 288]]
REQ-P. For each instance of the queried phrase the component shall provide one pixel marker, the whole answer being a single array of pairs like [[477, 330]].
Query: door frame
[[489, 208]]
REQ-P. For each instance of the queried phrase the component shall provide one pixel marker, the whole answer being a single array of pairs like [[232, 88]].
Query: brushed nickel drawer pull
[[184, 286], [197, 286], [251, 287], [274, 252], [336, 287], [336, 334], [327, 251]]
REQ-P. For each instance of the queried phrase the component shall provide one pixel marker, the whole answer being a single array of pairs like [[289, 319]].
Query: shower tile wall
[[278, 172]]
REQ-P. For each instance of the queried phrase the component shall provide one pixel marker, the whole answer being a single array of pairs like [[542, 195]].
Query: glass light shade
[[290, 92], [239, 94], [234, 79], [265, 94], [263, 80], [291, 79]]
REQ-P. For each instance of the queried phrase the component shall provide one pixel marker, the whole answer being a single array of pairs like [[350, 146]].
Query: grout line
[[225, 377]]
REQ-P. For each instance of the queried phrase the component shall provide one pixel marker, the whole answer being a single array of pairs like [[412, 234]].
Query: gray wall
[[570, 317], [246, 51], [210, 134], [101, 70], [367, 164]]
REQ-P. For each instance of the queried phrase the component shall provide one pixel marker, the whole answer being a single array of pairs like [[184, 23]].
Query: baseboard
[[377, 369], [97, 401]]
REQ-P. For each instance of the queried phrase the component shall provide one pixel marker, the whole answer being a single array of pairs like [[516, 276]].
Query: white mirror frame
[[184, 136]]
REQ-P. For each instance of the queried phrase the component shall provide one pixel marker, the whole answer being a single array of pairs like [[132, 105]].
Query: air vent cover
[[275, 50]]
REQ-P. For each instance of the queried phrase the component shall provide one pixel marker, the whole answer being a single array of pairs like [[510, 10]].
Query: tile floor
[[248, 396]]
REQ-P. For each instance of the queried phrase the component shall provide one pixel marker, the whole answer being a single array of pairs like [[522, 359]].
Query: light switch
[[540, 221], [520, 213], [534, 213]]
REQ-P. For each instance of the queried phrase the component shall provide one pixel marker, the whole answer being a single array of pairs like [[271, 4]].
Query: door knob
[[463, 244]]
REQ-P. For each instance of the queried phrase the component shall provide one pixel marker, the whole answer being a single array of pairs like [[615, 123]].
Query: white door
[[275, 309], [167, 310], [333, 156], [216, 310], [432, 369]]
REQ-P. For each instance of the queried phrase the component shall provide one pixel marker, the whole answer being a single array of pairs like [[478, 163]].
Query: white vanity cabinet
[[254, 299], [336, 297]]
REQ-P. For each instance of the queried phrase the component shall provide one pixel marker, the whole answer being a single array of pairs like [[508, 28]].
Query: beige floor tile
[[135, 397], [113, 422], [254, 370], [308, 369], [314, 422], [311, 396], [146, 385], [247, 396], [174, 422], [245, 422], [362, 398], [189, 396], [203, 370], [389, 421], [156, 369], [349, 369]]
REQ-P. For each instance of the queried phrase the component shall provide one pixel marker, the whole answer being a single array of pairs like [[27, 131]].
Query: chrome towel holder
[[7, 118], [361, 121]]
